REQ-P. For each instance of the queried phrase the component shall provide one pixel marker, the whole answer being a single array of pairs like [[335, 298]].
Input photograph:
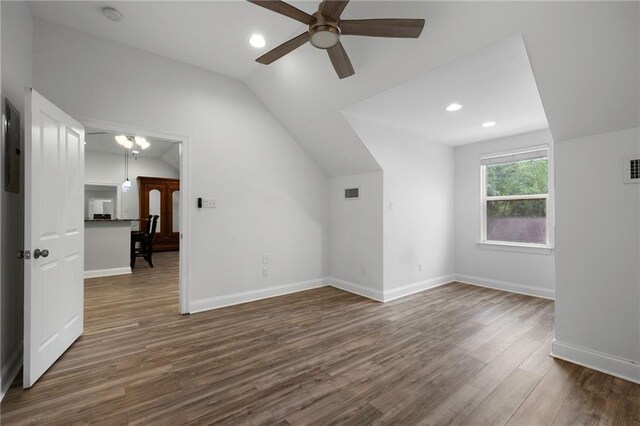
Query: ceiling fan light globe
[[122, 140], [324, 36], [142, 142]]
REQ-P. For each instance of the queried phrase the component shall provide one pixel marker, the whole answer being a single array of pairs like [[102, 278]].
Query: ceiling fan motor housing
[[324, 32], [325, 35]]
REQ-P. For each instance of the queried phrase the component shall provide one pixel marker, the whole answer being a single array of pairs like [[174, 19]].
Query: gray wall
[[17, 53], [525, 271], [598, 253], [271, 196]]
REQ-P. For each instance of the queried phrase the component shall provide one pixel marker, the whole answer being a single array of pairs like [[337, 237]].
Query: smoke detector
[[112, 14]]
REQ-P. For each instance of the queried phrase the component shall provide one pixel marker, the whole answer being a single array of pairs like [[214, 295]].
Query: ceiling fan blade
[[333, 8], [403, 28], [283, 49], [340, 61], [285, 9]]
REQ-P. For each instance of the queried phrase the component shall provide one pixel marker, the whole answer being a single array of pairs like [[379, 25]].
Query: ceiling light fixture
[[324, 36], [454, 107], [142, 142], [257, 41], [128, 141], [114, 15], [124, 141], [488, 124]]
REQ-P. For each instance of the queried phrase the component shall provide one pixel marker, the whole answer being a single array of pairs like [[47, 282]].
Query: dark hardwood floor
[[457, 354]]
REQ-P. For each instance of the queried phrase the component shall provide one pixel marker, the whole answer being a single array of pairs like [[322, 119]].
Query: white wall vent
[[632, 170], [352, 193]]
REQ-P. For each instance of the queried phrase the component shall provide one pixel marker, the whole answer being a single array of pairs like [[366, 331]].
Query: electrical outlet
[[265, 258], [364, 271], [392, 205], [419, 266], [265, 272], [209, 203]]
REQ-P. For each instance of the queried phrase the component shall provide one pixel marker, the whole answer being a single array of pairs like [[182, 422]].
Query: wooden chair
[[142, 242]]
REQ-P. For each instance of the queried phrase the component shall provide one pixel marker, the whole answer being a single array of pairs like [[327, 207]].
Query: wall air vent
[[352, 193], [632, 170]]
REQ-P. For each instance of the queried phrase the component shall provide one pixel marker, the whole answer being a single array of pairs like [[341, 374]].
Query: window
[[515, 195]]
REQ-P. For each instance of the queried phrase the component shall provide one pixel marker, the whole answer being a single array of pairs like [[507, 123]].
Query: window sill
[[515, 247]]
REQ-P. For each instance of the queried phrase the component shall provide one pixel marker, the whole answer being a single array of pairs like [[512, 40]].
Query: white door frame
[[185, 191]]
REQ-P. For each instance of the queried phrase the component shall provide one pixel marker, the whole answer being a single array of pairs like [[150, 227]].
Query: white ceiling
[[584, 55], [210, 35], [105, 142], [493, 84]]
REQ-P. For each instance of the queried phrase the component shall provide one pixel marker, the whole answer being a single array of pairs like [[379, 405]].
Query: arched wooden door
[[161, 196]]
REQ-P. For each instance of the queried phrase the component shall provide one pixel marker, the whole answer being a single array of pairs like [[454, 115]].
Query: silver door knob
[[37, 253]]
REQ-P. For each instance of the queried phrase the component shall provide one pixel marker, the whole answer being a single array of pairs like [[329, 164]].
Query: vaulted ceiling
[[494, 84], [212, 35], [584, 55]]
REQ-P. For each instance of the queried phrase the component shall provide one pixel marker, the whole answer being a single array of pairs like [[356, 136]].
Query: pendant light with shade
[[126, 185], [128, 143]]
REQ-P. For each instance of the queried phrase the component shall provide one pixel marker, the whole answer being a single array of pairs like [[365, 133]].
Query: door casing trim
[[185, 192]]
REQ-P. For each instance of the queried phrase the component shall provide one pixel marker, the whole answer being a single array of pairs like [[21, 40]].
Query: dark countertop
[[110, 220]]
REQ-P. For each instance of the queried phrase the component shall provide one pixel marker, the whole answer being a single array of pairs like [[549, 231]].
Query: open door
[[54, 234]]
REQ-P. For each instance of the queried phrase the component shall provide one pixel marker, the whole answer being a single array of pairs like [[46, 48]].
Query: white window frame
[[510, 245]]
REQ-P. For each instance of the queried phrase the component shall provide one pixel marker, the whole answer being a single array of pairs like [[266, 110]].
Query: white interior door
[[54, 234]]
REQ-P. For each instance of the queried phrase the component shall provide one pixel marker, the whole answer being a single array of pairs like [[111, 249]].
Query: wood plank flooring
[[457, 354]]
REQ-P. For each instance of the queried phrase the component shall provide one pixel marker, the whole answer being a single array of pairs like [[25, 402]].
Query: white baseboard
[[507, 286], [10, 371], [417, 287], [253, 295], [608, 364], [357, 289], [107, 272]]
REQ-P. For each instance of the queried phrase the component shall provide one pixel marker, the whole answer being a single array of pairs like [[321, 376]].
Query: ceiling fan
[[326, 27]]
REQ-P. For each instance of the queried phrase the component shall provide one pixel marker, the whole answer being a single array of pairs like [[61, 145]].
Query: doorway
[[162, 159]]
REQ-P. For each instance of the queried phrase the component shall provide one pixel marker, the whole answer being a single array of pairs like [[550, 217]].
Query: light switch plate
[[208, 203]]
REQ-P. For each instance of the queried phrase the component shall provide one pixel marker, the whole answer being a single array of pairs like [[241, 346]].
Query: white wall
[[271, 196], [598, 254], [356, 234], [17, 39], [101, 167], [417, 206], [524, 271]]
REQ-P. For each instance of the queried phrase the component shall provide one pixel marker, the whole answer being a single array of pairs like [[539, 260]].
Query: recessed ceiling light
[[454, 107], [135, 151], [112, 14], [489, 124], [257, 41]]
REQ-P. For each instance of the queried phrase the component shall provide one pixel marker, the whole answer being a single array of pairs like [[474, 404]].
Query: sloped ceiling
[[212, 35], [492, 84], [584, 55]]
